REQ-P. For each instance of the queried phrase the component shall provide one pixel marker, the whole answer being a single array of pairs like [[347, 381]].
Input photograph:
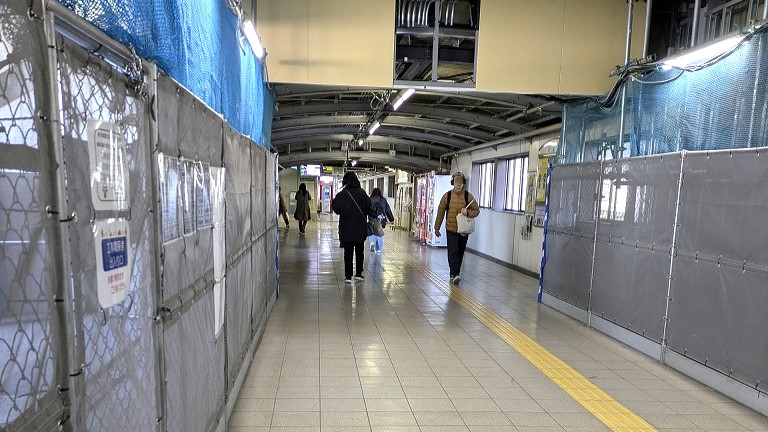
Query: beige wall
[[342, 42], [553, 46], [524, 46]]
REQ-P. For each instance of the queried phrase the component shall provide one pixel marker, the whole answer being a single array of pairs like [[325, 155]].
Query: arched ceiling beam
[[307, 92], [409, 163], [413, 135], [414, 109], [349, 137], [421, 124]]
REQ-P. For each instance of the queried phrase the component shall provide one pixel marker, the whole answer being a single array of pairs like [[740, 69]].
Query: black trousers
[[285, 218], [357, 249], [457, 244]]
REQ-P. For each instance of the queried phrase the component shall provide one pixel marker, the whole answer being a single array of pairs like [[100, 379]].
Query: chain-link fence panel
[[106, 145], [720, 270], [570, 232], [32, 335], [634, 241], [194, 363]]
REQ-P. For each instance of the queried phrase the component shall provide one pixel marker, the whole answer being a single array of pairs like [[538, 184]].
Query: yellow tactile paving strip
[[608, 410]]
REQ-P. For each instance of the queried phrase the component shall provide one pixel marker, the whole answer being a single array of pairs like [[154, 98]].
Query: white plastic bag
[[466, 224]]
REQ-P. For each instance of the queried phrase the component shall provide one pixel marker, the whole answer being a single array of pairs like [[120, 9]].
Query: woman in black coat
[[353, 206]]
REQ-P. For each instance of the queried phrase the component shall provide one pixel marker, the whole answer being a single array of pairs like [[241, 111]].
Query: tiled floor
[[394, 353]]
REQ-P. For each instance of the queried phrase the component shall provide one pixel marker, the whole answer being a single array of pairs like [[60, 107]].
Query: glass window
[[516, 190], [485, 187]]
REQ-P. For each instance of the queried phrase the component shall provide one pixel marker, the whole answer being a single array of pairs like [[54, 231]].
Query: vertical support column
[[598, 203], [159, 327], [672, 254], [695, 22], [630, 12], [63, 291], [648, 8], [436, 39]]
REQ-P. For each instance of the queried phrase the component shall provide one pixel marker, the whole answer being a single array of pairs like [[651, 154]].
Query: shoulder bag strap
[[356, 204]]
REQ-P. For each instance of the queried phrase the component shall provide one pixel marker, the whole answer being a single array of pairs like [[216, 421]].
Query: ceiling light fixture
[[373, 128], [702, 54], [253, 40], [360, 142], [403, 97]]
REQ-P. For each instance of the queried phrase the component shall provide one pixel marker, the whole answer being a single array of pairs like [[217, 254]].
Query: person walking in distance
[[453, 202], [353, 206], [381, 210], [282, 209], [303, 212]]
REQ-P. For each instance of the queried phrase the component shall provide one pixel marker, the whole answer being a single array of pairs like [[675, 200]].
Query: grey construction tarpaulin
[[720, 274], [634, 234], [33, 359], [241, 288], [116, 388], [237, 160], [194, 363], [258, 189], [571, 229]]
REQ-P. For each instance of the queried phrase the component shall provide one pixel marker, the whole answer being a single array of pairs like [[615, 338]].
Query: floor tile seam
[[429, 275], [445, 289], [462, 296]]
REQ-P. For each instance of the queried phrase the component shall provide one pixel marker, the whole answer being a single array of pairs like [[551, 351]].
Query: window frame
[[484, 195], [510, 183]]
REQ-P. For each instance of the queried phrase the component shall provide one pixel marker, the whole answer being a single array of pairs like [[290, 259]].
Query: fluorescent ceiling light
[[253, 39], [703, 54], [403, 96], [360, 142], [373, 128]]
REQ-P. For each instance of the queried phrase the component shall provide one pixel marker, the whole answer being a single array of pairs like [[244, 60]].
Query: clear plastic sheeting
[[680, 263], [116, 389], [32, 335], [722, 106]]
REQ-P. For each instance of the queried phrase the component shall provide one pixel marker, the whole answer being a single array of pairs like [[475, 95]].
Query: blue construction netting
[[721, 106], [196, 42]]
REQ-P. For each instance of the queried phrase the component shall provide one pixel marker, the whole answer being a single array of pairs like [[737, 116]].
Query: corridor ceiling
[[323, 125]]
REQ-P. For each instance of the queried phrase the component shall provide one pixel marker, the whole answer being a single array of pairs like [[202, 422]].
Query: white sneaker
[[359, 277], [348, 280], [457, 279]]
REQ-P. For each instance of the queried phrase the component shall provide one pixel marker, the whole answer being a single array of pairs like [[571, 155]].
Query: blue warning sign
[[114, 252]]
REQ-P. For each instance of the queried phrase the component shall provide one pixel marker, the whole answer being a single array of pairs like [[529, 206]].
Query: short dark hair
[[375, 192]]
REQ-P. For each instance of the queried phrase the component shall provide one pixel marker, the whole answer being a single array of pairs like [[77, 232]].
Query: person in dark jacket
[[302, 213], [381, 210], [353, 206]]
